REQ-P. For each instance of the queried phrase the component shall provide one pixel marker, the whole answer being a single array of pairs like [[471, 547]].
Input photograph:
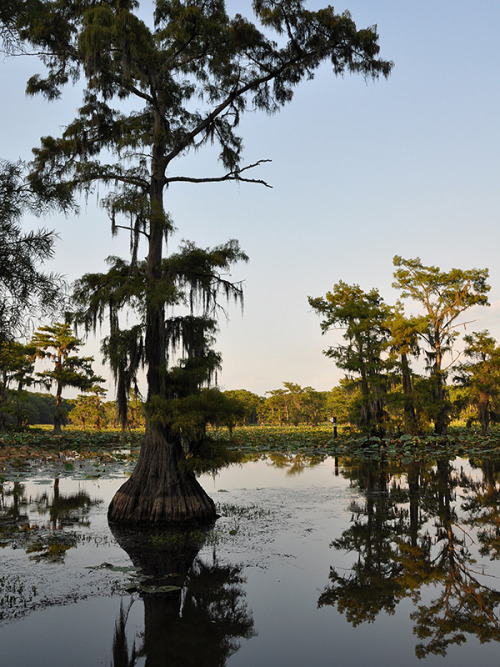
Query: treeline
[[294, 405], [290, 405], [380, 349], [30, 408]]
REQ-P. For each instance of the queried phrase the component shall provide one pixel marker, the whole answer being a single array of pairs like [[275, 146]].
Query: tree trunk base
[[159, 492]]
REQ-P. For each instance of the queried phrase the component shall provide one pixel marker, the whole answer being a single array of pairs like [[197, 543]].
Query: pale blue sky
[[360, 171]]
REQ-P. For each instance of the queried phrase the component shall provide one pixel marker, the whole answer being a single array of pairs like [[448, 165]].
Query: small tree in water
[[191, 76]]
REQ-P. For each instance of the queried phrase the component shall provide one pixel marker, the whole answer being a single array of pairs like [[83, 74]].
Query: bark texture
[[159, 492]]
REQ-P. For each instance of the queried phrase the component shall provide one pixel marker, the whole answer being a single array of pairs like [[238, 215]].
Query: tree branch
[[234, 95], [230, 176]]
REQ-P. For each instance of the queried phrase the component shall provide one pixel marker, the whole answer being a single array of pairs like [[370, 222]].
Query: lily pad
[[158, 589]]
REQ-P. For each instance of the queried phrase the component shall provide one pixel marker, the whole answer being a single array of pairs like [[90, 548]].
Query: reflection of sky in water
[[282, 540], [281, 475]]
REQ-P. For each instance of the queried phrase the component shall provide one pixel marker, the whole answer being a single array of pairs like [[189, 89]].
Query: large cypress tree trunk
[[159, 492]]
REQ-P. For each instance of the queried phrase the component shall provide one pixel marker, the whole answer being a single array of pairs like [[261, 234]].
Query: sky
[[360, 170]]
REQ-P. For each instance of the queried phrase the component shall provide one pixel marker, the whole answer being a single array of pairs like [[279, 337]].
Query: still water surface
[[308, 565]]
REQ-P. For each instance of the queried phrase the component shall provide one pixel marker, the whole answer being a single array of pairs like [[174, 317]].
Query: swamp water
[[311, 563]]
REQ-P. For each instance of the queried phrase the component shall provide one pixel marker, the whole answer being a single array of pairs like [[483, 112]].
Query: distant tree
[[135, 411], [294, 396], [276, 406], [481, 374], [57, 344], [363, 317], [294, 404], [252, 404], [39, 408], [444, 296], [313, 406], [111, 414], [341, 401], [89, 410], [155, 93]]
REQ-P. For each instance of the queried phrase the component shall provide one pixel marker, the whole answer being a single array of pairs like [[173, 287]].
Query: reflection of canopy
[[198, 623], [63, 509], [396, 557]]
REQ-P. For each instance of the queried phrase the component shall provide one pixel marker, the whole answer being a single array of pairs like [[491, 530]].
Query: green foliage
[[318, 441], [444, 296], [16, 367], [90, 411], [57, 344], [191, 278], [480, 375], [380, 342], [363, 317], [251, 403], [293, 405], [188, 417], [341, 401]]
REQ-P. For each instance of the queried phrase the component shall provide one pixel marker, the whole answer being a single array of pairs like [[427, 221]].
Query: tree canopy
[[57, 344], [444, 296], [364, 318], [380, 340]]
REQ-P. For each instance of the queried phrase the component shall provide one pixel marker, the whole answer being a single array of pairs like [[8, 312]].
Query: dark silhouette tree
[[183, 591]]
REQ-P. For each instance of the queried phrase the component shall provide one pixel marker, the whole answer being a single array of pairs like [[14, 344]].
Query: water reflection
[[412, 538], [195, 611], [484, 509], [402, 570], [44, 540], [294, 464]]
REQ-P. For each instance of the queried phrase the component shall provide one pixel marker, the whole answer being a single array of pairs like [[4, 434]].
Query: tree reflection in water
[[410, 532], [200, 620], [484, 509], [44, 541]]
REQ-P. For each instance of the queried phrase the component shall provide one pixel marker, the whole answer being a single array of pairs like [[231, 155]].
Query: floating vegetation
[[91, 455], [315, 443]]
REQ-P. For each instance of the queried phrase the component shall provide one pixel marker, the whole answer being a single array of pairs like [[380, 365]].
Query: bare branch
[[230, 176]]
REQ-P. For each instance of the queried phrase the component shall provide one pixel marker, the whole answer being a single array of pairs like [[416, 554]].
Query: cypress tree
[[191, 75]]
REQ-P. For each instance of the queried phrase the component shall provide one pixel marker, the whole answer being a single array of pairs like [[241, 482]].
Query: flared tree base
[[159, 492]]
